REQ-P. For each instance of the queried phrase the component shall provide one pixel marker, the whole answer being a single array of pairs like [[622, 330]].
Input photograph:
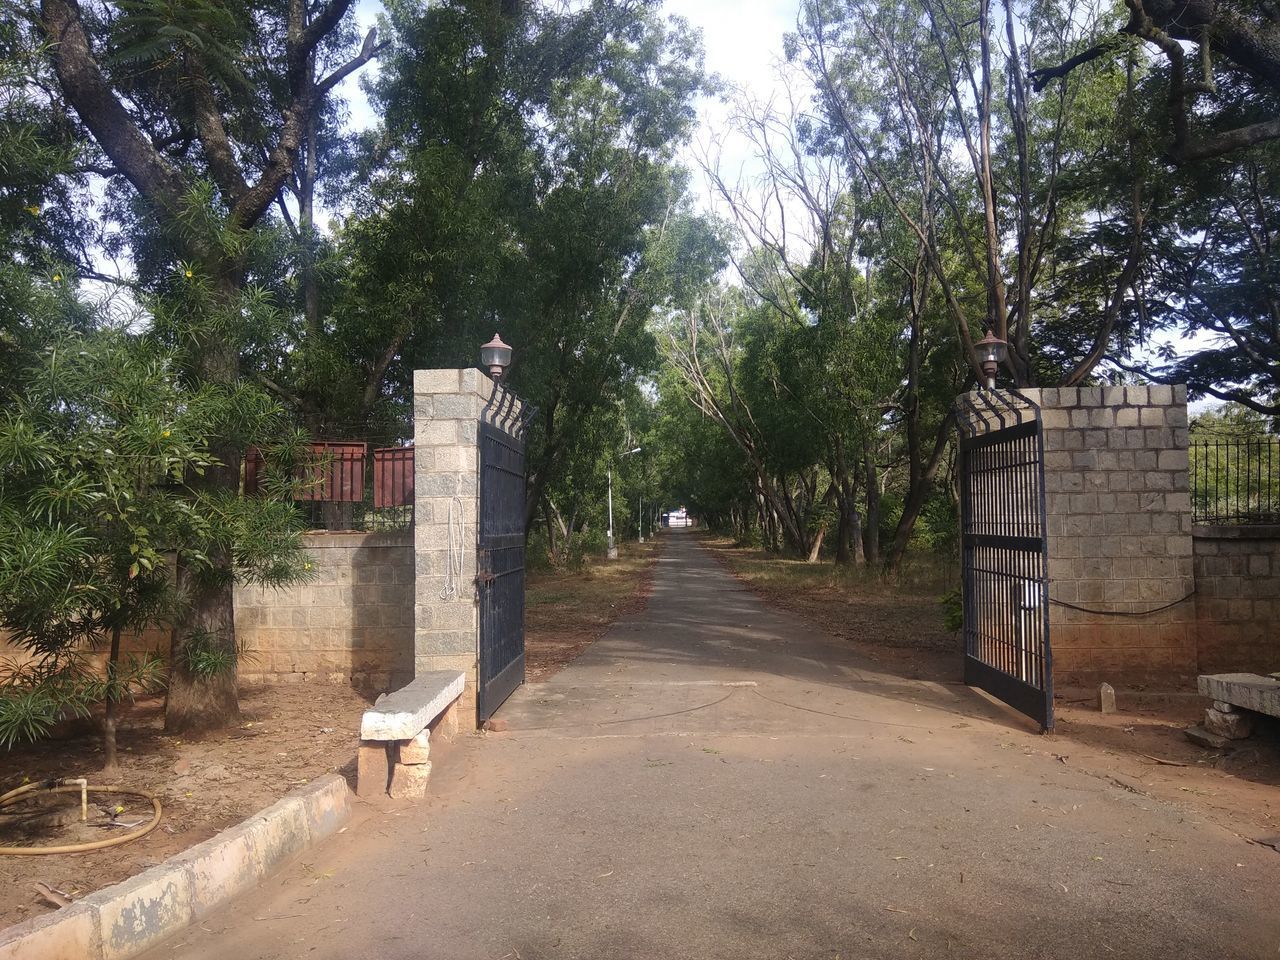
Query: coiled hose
[[65, 786]]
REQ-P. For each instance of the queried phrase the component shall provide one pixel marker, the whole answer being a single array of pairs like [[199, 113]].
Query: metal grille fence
[[343, 485], [1234, 480]]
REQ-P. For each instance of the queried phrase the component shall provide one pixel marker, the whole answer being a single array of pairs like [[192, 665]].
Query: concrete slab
[[402, 715], [1248, 690]]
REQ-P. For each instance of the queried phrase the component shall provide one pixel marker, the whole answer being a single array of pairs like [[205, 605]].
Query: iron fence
[[347, 485], [1234, 480]]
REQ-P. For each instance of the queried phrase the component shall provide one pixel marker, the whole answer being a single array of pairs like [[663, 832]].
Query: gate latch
[[484, 577]]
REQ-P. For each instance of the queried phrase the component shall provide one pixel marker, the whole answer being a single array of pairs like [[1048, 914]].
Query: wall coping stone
[[1257, 531], [347, 539]]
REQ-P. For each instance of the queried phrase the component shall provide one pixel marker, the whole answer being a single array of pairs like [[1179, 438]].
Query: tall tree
[[200, 108]]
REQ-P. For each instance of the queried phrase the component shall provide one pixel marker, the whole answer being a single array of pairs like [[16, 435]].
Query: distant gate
[[500, 581], [1005, 551]]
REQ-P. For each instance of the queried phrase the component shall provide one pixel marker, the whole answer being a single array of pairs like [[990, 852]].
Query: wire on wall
[[457, 550]]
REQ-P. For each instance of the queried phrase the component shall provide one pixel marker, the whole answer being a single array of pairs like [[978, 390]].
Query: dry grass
[[566, 610], [896, 621]]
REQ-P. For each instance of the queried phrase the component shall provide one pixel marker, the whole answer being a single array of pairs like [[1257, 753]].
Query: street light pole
[[612, 545]]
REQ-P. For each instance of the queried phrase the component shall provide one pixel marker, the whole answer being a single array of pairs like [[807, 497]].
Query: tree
[[98, 454], [1234, 64], [197, 111], [529, 186]]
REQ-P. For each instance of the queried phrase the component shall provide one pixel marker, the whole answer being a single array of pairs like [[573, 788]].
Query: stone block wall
[[446, 630], [1237, 571], [353, 622], [1118, 509]]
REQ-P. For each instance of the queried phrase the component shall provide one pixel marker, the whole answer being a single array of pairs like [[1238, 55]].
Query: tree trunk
[[816, 547], [871, 536], [200, 700], [110, 764]]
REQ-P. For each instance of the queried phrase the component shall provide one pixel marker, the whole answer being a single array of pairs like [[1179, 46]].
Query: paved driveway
[[713, 779]]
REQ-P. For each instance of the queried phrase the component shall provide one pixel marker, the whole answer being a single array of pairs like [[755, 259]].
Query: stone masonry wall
[[1119, 524], [1237, 573], [352, 623], [446, 411]]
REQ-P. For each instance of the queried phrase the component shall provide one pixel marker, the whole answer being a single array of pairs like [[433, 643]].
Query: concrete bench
[[395, 734], [1238, 699]]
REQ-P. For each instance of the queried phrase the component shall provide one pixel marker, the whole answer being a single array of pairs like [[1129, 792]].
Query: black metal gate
[[500, 580], [1005, 547]]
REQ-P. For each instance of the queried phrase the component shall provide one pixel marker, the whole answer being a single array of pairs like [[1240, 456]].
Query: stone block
[[1232, 726], [373, 768], [1203, 738], [1106, 698], [1127, 417], [1160, 394], [409, 781], [219, 869], [326, 803], [446, 725], [278, 833], [415, 751], [435, 381], [1137, 396], [457, 406], [436, 433], [140, 912], [68, 934], [1223, 707], [403, 714]]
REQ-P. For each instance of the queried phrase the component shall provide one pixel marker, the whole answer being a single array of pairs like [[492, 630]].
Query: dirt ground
[[565, 610], [1141, 747], [289, 734]]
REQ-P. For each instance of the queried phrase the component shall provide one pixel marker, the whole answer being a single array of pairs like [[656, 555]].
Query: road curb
[[123, 920]]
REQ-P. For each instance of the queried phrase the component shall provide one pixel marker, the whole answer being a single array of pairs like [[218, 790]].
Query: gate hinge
[[485, 577]]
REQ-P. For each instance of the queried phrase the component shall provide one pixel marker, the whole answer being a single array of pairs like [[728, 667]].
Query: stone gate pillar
[[446, 412], [1119, 524]]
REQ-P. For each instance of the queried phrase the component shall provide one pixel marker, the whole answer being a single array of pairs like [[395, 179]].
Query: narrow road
[[715, 780]]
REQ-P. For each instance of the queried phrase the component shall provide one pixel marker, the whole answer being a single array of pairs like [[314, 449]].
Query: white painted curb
[[133, 916]]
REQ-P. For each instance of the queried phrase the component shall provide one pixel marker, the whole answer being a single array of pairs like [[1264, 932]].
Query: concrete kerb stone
[[123, 920]]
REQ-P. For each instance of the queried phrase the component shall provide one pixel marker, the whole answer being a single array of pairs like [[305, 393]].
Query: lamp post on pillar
[[991, 353], [612, 544], [495, 355]]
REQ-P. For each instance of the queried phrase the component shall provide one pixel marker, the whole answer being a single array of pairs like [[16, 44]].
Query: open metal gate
[[1005, 551], [500, 580]]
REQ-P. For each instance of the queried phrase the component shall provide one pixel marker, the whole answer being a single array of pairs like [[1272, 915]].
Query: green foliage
[[206, 657], [100, 457], [35, 695], [953, 609]]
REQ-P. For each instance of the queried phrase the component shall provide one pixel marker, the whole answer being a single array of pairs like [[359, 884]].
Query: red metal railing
[[334, 486]]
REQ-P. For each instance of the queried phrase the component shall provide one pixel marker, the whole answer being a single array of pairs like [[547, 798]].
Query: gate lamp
[[495, 355], [991, 353]]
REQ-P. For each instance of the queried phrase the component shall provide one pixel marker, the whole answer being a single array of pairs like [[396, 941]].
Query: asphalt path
[[714, 779]]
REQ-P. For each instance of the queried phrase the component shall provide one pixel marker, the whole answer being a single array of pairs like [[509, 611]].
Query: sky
[[742, 40]]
